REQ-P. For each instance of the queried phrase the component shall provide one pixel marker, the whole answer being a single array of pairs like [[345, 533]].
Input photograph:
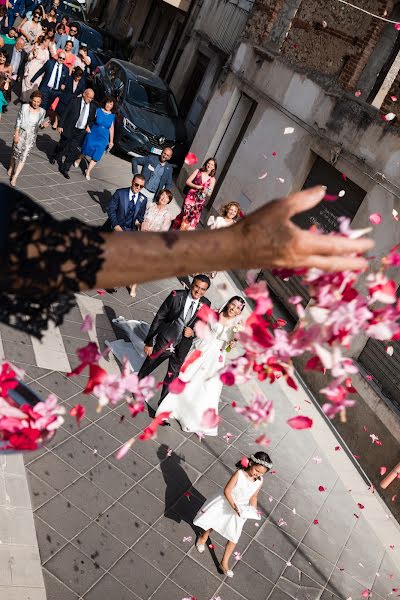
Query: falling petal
[[375, 218], [211, 546], [237, 556], [191, 159], [315, 521], [187, 495], [394, 498], [357, 93], [101, 292], [317, 460], [393, 98], [281, 523], [330, 198], [176, 386], [341, 193], [210, 419], [193, 356], [169, 452], [395, 214], [388, 117], [321, 488], [365, 593], [264, 175], [360, 506], [382, 470], [337, 448], [87, 324], [124, 449], [263, 440], [294, 511], [300, 422], [280, 179], [78, 411], [228, 436], [187, 539], [389, 350], [288, 130], [244, 461], [270, 498]]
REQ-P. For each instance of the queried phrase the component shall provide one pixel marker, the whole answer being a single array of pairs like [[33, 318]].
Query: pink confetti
[[187, 495], [78, 411], [191, 159], [263, 440], [87, 324], [395, 214], [169, 452], [389, 350], [337, 448], [375, 218], [369, 377], [237, 556], [211, 546], [360, 506], [365, 593], [210, 419], [176, 386], [101, 292], [357, 93], [382, 470], [228, 436], [193, 356], [330, 198], [388, 117], [274, 153], [264, 175], [321, 488], [394, 498], [393, 98], [300, 422], [344, 176], [124, 449], [187, 539], [315, 522], [282, 523]]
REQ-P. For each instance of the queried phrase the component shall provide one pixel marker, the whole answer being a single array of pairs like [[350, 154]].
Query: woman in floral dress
[[201, 184]]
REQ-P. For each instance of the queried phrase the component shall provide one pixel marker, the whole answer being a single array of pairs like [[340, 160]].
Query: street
[[77, 524]]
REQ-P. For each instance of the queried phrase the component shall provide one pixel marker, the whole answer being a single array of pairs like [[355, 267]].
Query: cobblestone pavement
[[122, 529]]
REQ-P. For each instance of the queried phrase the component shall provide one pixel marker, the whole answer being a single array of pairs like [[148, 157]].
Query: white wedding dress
[[204, 386]]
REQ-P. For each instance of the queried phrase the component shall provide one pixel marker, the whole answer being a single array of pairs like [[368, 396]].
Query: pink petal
[[87, 323], [193, 356], [330, 198], [315, 521], [176, 386], [78, 411], [191, 159], [397, 26], [360, 506], [274, 153], [365, 593], [388, 117], [321, 488], [264, 175], [244, 461], [263, 440], [124, 449], [357, 93], [337, 448], [393, 98], [228, 378], [375, 218], [300, 422], [101, 292], [210, 419], [382, 470]]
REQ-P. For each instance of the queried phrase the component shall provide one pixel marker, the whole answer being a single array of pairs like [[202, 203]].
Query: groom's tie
[[189, 313]]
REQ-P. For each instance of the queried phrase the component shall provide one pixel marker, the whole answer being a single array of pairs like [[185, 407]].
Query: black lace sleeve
[[43, 262]]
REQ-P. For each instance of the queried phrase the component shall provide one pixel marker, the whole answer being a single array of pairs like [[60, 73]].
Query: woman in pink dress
[[37, 57], [201, 184]]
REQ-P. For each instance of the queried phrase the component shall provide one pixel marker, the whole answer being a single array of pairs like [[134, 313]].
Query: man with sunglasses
[[55, 75], [127, 207], [70, 37]]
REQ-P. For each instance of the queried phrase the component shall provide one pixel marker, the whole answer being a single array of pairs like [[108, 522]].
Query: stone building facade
[[301, 103]]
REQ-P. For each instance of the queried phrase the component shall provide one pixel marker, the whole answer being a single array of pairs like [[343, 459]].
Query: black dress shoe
[[52, 160], [66, 175]]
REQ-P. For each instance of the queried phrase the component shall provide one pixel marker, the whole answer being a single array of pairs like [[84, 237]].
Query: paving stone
[[131, 464], [88, 498], [278, 594], [53, 471], [343, 585], [146, 506], [158, 551], [90, 404], [75, 569], [49, 540], [137, 575], [62, 516], [198, 581], [120, 430], [168, 590], [99, 545], [124, 525], [108, 587], [196, 457], [61, 386], [293, 524], [109, 479], [22, 593], [17, 491], [312, 564], [299, 585], [277, 540], [77, 455], [19, 352], [40, 491], [264, 561]]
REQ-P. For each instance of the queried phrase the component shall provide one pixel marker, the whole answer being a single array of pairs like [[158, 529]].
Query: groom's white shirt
[[188, 302]]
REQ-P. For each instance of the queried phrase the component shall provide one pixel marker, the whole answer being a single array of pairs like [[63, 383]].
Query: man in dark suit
[[17, 59], [172, 331], [55, 75], [127, 207], [73, 125], [156, 172]]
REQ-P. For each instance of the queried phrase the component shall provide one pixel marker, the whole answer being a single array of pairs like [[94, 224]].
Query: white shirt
[[54, 81], [188, 302], [133, 197], [83, 116]]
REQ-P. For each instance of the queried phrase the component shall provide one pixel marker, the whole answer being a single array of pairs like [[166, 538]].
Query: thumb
[[304, 200]]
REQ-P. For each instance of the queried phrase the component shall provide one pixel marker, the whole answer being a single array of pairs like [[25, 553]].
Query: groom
[[172, 331]]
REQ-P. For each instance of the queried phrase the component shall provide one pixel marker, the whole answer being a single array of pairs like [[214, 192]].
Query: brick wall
[[327, 37]]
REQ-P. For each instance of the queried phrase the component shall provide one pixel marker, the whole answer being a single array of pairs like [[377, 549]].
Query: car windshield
[[72, 9], [152, 99]]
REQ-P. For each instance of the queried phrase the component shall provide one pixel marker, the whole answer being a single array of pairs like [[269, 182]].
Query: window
[[152, 99]]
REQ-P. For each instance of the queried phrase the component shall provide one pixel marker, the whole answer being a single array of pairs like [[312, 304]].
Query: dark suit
[[49, 94], [67, 94], [72, 137], [166, 329], [148, 164], [120, 209]]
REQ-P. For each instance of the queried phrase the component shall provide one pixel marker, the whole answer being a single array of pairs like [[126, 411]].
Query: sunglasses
[[61, 58], [37, 16], [139, 185]]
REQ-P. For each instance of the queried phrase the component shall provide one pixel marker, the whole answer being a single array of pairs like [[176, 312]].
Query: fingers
[[332, 245], [304, 200], [336, 263]]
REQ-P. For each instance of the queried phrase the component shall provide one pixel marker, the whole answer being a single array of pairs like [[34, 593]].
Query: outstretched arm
[[267, 238], [158, 320]]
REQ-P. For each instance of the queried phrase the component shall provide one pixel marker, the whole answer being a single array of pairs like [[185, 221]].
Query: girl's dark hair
[[260, 455], [4, 53], [109, 99], [169, 194], [239, 299], [77, 71], [213, 172]]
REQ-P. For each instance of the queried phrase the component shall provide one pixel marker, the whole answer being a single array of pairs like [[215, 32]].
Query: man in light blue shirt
[[156, 171]]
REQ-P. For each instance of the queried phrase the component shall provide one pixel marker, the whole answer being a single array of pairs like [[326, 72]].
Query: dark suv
[[148, 118]]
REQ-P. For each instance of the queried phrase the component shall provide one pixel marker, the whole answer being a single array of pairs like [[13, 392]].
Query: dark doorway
[[324, 216], [170, 55], [193, 84]]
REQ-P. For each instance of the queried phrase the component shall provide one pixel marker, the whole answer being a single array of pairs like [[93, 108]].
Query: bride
[[204, 386]]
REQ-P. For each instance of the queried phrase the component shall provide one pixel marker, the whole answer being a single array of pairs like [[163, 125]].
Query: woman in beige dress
[[36, 59]]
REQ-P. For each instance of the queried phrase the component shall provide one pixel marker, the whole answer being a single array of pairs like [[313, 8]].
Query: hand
[[62, 86], [148, 350], [188, 332], [45, 124], [235, 508], [60, 130], [87, 129], [268, 237], [118, 228], [16, 137]]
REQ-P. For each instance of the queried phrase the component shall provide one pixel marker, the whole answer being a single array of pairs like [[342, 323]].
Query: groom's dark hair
[[203, 278]]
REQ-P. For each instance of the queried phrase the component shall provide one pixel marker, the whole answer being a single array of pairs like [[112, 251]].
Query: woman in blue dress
[[101, 136]]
